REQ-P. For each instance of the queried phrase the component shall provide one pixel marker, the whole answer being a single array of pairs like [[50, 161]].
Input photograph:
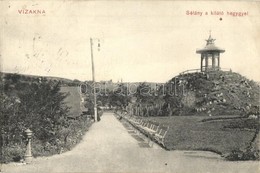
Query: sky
[[150, 41]]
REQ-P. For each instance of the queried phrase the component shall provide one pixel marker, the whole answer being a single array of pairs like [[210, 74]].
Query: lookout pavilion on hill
[[210, 56]]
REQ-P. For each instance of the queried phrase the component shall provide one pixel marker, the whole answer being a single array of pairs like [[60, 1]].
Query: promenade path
[[109, 147]]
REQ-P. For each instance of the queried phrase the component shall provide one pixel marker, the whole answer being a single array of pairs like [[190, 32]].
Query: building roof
[[210, 46]]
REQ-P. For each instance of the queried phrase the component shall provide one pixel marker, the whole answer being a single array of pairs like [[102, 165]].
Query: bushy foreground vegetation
[[37, 105]]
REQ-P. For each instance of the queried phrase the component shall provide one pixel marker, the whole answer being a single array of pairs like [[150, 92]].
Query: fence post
[[28, 153]]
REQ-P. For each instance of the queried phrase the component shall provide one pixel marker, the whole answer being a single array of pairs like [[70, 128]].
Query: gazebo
[[210, 56]]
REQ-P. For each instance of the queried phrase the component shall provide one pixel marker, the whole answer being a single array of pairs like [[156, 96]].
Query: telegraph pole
[[93, 78]]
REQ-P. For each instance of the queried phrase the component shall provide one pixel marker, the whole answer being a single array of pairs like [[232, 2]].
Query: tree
[[38, 106]]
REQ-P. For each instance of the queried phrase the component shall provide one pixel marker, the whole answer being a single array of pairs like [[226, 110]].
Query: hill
[[213, 93], [34, 78]]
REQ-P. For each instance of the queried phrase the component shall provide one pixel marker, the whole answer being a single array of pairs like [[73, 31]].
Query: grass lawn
[[191, 133]]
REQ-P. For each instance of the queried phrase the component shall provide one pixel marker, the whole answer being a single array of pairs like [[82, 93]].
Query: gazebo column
[[206, 65], [213, 61], [218, 62], [201, 62]]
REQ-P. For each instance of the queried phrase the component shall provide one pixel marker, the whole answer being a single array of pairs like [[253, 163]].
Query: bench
[[153, 130], [151, 127], [160, 134]]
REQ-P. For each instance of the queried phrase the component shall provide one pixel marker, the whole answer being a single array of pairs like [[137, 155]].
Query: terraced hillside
[[214, 93]]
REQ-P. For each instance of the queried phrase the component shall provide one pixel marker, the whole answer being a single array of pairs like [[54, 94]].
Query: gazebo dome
[[210, 46]]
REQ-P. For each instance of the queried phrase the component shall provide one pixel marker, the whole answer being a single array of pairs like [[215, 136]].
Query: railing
[[190, 71], [203, 70], [226, 69]]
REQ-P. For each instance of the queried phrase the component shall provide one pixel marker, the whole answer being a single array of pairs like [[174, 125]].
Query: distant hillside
[[34, 78], [215, 93]]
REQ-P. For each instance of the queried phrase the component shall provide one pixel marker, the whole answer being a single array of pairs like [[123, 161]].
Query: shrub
[[12, 153], [38, 105], [248, 154]]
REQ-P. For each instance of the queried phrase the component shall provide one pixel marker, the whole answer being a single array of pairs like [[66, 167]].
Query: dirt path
[[109, 147]]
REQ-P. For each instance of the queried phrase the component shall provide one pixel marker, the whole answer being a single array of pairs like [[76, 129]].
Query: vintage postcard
[[130, 86]]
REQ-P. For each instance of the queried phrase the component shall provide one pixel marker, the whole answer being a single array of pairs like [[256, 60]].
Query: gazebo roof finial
[[210, 40], [210, 46]]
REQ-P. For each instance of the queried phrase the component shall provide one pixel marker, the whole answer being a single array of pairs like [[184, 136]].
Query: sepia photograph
[[131, 86]]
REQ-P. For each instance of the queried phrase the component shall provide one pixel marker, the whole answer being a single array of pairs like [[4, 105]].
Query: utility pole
[[93, 78]]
